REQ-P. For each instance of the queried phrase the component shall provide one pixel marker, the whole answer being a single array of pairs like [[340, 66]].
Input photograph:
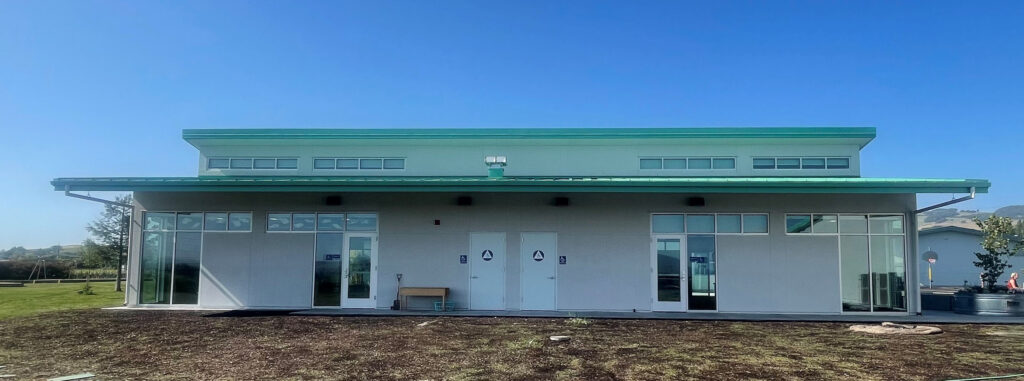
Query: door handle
[[551, 277], [474, 277]]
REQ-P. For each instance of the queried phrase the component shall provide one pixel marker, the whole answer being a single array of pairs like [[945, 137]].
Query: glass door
[[360, 271], [327, 270], [668, 279], [703, 282]]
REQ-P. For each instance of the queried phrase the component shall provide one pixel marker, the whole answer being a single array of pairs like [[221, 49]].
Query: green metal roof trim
[[523, 184], [535, 133]]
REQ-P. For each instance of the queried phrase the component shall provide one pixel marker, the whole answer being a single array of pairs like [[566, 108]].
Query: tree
[[999, 243], [98, 256], [111, 229]]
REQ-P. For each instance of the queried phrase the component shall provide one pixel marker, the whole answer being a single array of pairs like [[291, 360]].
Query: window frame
[[337, 167], [687, 166], [686, 227], [252, 161], [316, 222]]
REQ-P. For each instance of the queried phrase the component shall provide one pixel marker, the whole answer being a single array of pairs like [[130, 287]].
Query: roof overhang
[[826, 185], [860, 136]]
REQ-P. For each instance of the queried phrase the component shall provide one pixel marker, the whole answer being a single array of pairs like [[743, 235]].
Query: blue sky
[[103, 88]]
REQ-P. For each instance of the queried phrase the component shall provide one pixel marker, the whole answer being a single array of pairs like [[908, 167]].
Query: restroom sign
[[561, 259], [463, 259], [538, 255], [487, 255]]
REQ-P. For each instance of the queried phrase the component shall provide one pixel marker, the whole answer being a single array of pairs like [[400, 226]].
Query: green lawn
[[35, 298]]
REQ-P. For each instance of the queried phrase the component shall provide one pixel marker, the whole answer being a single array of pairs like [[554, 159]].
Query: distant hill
[[49, 253], [965, 218], [1013, 211]]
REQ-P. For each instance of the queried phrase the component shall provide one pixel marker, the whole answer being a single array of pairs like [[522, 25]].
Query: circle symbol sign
[[487, 255], [538, 255]]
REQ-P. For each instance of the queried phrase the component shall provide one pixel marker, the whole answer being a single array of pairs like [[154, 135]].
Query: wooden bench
[[406, 292]]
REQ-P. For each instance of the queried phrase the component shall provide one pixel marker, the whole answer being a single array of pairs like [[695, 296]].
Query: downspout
[[128, 245], [914, 214]]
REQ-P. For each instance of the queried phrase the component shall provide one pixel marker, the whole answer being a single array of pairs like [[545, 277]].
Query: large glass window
[[872, 263], [327, 269], [187, 249], [360, 258], [156, 260], [171, 251], [701, 249], [311, 222], [854, 280]]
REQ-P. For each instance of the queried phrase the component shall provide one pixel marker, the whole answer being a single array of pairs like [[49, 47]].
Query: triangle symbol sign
[[538, 255]]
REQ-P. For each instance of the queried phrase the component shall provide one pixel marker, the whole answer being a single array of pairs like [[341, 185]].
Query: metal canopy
[[827, 185]]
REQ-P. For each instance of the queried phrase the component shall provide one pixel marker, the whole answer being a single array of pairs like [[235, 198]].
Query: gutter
[[128, 251], [947, 203]]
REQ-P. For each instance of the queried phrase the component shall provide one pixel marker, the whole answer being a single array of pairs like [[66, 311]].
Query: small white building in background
[[758, 220], [955, 246]]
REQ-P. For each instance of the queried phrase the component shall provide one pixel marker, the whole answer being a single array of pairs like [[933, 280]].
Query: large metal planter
[[988, 304]]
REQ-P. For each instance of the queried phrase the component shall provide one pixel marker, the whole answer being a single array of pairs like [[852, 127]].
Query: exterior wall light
[[496, 166]]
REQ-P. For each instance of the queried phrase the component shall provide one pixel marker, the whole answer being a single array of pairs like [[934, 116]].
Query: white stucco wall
[[956, 259], [605, 237]]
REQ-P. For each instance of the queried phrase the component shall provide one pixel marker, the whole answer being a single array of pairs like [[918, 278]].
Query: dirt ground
[[193, 345]]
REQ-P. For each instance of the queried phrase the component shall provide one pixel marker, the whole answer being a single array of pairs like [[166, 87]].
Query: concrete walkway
[[930, 317]]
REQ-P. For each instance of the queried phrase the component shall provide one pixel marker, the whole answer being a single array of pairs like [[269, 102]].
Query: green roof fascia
[[535, 133], [830, 185]]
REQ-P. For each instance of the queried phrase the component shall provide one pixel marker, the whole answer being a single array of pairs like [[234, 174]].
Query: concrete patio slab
[[932, 317]]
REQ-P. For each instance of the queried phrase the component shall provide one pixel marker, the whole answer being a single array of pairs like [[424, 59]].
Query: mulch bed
[[196, 345]]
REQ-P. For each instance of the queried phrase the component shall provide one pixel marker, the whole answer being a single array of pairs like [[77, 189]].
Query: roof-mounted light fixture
[[496, 166]]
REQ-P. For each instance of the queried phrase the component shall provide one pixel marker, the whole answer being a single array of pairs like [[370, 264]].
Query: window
[[764, 163], [370, 164], [359, 163], [322, 222], [323, 163], [241, 163], [279, 222], [825, 223], [348, 163], [675, 163], [218, 163], [788, 163], [698, 163], [700, 223], [668, 223], [705, 223], [812, 163], [240, 222], [688, 163], [730, 223], [798, 223], [755, 223], [838, 163], [801, 163], [171, 247], [216, 222], [727, 163], [872, 263], [287, 163], [255, 163], [650, 163], [264, 163]]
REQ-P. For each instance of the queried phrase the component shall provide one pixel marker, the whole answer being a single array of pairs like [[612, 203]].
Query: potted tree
[[1000, 241]]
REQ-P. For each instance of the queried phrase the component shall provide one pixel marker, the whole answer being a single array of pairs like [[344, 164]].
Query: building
[[762, 220], [955, 247]]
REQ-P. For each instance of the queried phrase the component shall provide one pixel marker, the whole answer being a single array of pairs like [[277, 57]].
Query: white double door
[[538, 280]]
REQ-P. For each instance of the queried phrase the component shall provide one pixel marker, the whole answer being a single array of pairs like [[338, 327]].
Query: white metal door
[[487, 271], [359, 280], [539, 253], [668, 273]]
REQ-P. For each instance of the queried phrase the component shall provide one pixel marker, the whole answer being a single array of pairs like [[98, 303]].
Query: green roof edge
[[522, 184], [535, 133]]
